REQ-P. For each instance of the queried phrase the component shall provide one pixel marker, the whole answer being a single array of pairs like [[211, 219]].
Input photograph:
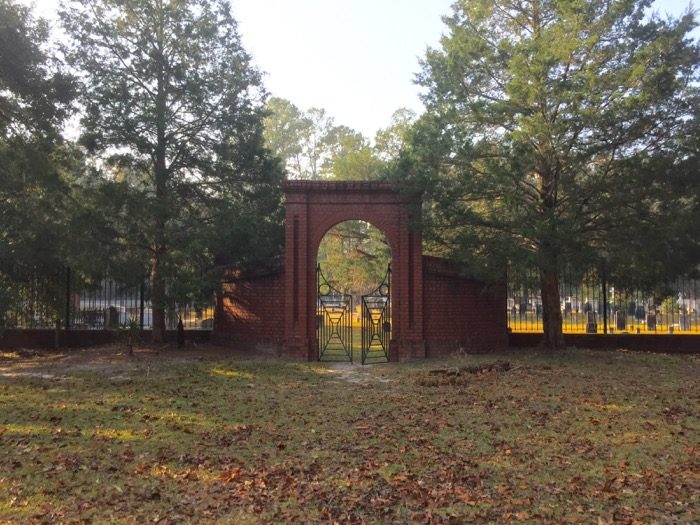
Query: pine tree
[[173, 105], [35, 99], [536, 111]]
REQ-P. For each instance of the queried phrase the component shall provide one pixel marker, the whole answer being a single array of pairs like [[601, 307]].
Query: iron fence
[[41, 300], [592, 304]]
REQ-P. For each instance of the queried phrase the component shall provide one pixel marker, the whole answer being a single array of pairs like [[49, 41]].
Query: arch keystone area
[[312, 208]]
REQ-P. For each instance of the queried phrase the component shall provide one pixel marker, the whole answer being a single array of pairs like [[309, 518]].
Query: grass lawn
[[200, 435]]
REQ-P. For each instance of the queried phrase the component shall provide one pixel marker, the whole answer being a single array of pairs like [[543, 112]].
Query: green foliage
[[313, 147], [34, 101], [354, 256], [35, 191], [663, 241], [8, 298], [34, 94], [358, 164], [302, 139], [550, 130], [174, 113], [391, 141], [670, 305], [130, 333]]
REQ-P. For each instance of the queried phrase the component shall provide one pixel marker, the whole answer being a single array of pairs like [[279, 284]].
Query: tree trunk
[[161, 175], [551, 310], [157, 299]]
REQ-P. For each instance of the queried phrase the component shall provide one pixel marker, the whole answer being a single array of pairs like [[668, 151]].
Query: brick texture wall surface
[[461, 313], [312, 208], [46, 339], [251, 311], [680, 344], [435, 317]]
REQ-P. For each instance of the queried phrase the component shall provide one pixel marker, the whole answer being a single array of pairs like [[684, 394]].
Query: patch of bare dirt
[[113, 360], [355, 373]]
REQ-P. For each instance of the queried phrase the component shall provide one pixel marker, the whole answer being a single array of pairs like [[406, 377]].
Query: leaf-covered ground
[[195, 436]]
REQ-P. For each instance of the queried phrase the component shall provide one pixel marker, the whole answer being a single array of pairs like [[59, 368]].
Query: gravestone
[[592, 323], [620, 320], [180, 333], [651, 321], [523, 309], [111, 321]]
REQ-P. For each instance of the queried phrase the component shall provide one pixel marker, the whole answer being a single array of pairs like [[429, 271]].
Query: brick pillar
[[407, 300], [296, 340]]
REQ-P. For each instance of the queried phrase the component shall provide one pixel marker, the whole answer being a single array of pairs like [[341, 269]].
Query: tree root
[[497, 366]]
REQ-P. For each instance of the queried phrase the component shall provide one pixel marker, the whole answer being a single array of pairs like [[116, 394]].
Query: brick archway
[[436, 310], [313, 208]]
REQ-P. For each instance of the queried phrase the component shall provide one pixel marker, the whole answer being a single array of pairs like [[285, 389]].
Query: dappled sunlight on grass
[[15, 374], [264, 441], [603, 406], [24, 429], [230, 373], [113, 433], [327, 371]]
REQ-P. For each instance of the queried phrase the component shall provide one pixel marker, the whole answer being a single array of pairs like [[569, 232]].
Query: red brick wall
[[459, 312], [46, 338], [312, 208], [251, 312], [677, 343], [280, 308]]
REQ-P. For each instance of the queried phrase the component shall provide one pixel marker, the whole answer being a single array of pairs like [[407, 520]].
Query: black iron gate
[[376, 322], [333, 321]]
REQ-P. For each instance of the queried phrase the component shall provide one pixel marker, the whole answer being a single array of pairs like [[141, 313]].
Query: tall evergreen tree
[[544, 120], [173, 105], [391, 141], [35, 97]]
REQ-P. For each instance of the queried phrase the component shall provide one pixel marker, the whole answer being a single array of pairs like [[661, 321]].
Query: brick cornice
[[345, 186]]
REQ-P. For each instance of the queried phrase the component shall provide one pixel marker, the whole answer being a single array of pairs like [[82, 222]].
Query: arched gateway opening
[[312, 209], [353, 280]]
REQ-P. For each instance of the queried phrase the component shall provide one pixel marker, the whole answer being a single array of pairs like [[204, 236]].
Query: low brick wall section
[[461, 313], [46, 339], [250, 312], [682, 344]]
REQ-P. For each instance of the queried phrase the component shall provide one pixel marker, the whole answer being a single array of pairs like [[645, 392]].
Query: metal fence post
[[605, 304], [141, 304], [67, 320]]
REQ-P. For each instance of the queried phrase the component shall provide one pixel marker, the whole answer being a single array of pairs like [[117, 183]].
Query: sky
[[354, 58]]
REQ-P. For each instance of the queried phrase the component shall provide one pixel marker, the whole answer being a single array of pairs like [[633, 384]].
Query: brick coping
[[337, 186]]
